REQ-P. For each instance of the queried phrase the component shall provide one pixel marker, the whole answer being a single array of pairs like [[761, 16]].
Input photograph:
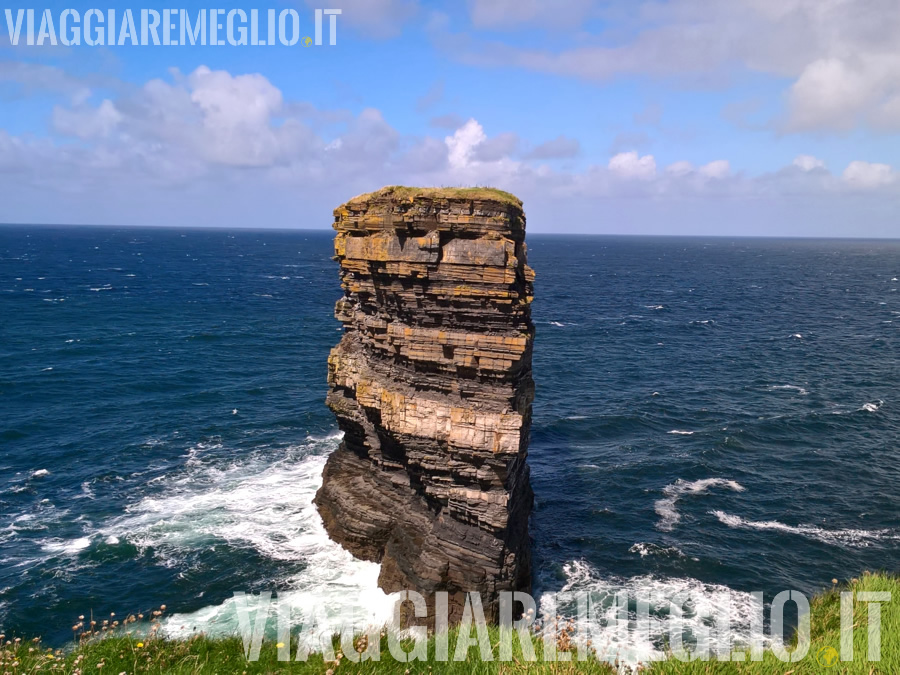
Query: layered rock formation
[[431, 384]]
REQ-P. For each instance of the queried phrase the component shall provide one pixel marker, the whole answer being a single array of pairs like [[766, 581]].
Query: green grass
[[132, 654], [131, 648], [404, 192]]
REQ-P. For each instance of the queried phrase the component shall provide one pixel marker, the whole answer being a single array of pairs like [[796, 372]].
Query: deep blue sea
[[711, 415]]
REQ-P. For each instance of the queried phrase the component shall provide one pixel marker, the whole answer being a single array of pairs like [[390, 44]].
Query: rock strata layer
[[431, 385]]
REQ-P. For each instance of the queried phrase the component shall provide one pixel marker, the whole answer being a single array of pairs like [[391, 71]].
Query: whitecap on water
[[264, 505], [631, 648], [68, 546], [872, 407], [679, 432], [667, 508], [644, 549], [847, 537]]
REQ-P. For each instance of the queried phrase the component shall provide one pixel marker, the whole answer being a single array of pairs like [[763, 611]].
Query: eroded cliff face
[[431, 384]]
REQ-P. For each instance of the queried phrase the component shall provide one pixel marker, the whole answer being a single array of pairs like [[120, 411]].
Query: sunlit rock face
[[431, 384]]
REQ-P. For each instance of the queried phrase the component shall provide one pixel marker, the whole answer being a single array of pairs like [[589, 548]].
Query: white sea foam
[[69, 546], [846, 537], [260, 504], [797, 335], [40, 473], [667, 508], [644, 549], [679, 432], [872, 407], [557, 323], [631, 648]]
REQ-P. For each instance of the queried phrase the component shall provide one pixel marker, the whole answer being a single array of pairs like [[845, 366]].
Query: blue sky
[[747, 117]]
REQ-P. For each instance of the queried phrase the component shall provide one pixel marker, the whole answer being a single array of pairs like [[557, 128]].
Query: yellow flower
[[140, 644], [280, 645]]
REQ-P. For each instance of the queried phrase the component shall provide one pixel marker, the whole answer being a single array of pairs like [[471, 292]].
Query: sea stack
[[431, 385]]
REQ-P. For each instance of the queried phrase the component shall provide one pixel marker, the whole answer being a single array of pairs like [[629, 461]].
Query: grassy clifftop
[[404, 192], [122, 653]]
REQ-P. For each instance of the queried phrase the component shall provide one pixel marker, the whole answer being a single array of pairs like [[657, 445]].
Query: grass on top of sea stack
[[110, 649], [401, 192]]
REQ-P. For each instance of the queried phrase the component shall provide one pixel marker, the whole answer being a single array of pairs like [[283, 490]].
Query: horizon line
[[239, 228]]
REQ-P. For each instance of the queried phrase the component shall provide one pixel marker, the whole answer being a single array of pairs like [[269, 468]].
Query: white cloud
[[719, 168], [470, 148], [828, 94], [213, 116], [85, 122], [461, 145], [868, 176], [229, 144], [842, 56], [887, 115], [808, 163], [497, 148], [630, 165]]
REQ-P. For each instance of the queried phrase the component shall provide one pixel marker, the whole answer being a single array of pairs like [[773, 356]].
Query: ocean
[[713, 415]]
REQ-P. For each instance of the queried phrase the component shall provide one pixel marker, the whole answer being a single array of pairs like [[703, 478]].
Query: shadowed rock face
[[431, 384]]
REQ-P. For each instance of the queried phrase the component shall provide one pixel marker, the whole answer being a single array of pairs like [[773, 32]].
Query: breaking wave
[[633, 648]]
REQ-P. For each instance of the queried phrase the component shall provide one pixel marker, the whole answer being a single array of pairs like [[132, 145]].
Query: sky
[[680, 117]]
